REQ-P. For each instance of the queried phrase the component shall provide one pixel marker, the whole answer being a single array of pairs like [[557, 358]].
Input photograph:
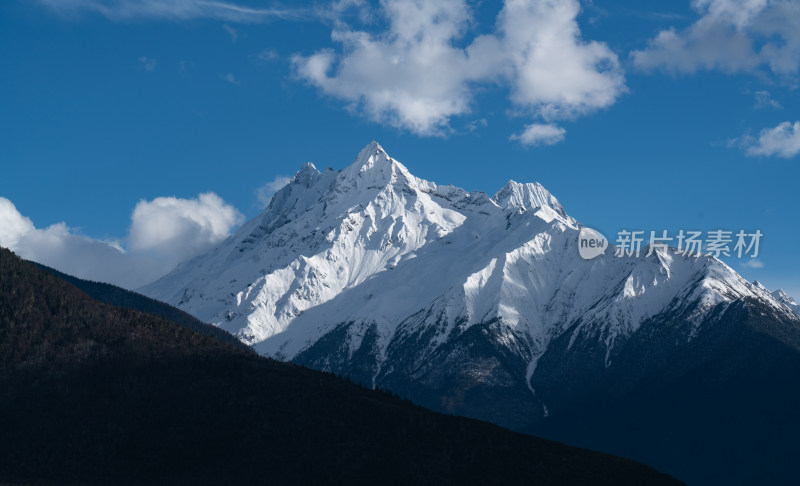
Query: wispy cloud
[[231, 31], [128, 10], [147, 63], [753, 263], [230, 78], [265, 192], [764, 100], [476, 125], [266, 55]]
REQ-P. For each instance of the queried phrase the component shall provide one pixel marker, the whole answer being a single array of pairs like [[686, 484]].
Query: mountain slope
[[96, 394], [111, 294], [466, 303], [719, 408]]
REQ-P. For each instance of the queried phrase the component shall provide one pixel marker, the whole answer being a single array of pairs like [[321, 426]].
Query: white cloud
[[265, 192], [555, 73], [163, 233], [128, 10], [732, 36], [411, 76], [172, 227], [13, 225], [540, 134], [753, 263], [780, 141], [426, 65], [59, 247], [147, 63], [420, 72]]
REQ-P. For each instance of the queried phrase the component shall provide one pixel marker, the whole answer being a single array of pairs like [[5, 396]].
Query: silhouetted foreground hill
[[111, 294], [96, 394]]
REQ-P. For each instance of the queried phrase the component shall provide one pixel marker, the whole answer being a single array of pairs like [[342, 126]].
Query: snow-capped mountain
[[374, 247], [467, 303], [342, 239], [781, 296]]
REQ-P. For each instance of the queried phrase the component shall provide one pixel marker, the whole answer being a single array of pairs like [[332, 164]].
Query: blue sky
[[116, 115]]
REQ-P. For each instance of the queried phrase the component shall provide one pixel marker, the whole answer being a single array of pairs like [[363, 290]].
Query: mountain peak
[[781, 295], [526, 196], [374, 167], [786, 300], [372, 147], [307, 174], [371, 156], [308, 166]]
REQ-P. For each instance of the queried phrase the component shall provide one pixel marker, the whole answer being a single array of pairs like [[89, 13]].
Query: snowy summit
[[370, 270]]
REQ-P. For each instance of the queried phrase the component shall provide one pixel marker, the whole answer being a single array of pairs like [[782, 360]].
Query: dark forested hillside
[[96, 394], [111, 294]]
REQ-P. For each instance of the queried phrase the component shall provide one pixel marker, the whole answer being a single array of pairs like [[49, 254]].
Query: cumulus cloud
[[163, 233], [780, 141], [59, 247], [421, 71], [554, 72], [128, 10], [540, 134], [412, 75], [265, 192], [172, 227], [425, 64], [731, 36], [13, 224]]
